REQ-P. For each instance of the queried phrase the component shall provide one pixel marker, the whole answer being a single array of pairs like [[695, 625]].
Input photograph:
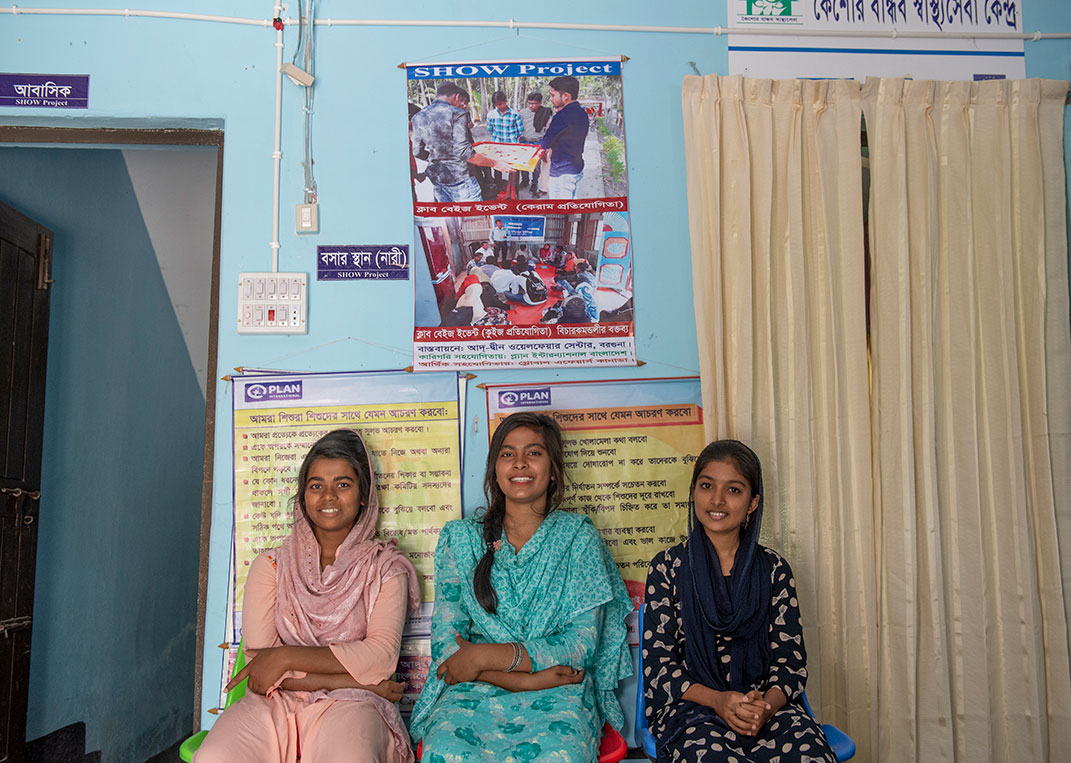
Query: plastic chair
[[190, 746], [842, 744], [644, 736], [612, 748]]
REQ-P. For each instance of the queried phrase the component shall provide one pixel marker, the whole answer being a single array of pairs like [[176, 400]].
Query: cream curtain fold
[[920, 500], [969, 417], [775, 214]]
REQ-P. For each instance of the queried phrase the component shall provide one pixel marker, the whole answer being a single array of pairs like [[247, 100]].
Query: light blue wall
[[1051, 59], [1047, 58], [172, 71], [115, 600]]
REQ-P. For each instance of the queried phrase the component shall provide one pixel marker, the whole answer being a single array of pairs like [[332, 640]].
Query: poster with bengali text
[[950, 52], [411, 426], [629, 451], [522, 253], [414, 663]]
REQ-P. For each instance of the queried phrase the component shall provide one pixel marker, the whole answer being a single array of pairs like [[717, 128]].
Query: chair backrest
[[238, 691], [643, 735]]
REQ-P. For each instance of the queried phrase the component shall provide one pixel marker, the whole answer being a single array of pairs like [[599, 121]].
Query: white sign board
[[946, 57]]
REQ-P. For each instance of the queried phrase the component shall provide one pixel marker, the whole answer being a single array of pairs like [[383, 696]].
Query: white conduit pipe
[[511, 24], [15, 10], [277, 153]]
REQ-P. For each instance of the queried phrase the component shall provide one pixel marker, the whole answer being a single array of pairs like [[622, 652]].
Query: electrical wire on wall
[[304, 53], [305, 43]]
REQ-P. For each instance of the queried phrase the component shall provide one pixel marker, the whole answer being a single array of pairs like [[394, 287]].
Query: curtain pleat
[[775, 215]]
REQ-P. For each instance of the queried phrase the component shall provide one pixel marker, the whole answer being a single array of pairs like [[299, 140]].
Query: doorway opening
[[129, 423]]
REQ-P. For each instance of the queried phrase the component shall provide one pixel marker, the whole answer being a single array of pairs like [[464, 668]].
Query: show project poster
[[483, 182], [411, 426], [949, 55], [629, 451]]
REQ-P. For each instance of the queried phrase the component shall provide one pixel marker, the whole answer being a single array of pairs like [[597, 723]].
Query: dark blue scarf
[[713, 604]]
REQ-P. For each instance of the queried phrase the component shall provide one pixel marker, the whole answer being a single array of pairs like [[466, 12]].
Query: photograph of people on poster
[[489, 270], [515, 131], [520, 204]]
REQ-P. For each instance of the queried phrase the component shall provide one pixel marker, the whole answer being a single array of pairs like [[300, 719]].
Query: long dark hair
[[341, 443], [492, 516]]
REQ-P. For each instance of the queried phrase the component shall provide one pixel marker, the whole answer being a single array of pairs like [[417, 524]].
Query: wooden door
[[25, 276]]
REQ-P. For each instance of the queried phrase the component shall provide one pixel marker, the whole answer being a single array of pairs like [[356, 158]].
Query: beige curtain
[[921, 507], [969, 417], [775, 212]]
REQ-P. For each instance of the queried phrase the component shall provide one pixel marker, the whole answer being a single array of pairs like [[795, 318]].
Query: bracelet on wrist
[[518, 654]]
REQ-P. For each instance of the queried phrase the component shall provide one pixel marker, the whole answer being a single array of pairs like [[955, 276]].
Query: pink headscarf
[[317, 608]]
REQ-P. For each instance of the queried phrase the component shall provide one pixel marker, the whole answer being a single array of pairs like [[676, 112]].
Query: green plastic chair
[[189, 747]]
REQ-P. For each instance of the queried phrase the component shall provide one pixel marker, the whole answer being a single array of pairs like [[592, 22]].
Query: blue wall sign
[[45, 91], [362, 262]]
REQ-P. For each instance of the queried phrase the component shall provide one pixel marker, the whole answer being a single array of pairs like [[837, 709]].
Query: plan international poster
[[630, 446], [411, 425], [522, 246]]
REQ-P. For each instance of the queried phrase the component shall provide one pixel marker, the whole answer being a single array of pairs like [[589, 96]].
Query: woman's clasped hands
[[745, 713]]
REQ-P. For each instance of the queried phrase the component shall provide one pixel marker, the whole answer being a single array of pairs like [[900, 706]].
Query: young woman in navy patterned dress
[[723, 658]]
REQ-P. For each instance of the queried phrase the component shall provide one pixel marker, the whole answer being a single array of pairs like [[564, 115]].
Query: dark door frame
[[25, 262], [117, 138]]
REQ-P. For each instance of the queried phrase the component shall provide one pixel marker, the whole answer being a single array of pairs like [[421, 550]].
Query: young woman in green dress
[[528, 635]]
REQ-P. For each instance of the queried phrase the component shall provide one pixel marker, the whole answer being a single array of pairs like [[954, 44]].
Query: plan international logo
[[524, 398], [769, 12], [262, 393]]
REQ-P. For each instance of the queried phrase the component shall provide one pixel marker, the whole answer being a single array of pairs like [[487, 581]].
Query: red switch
[[271, 315]]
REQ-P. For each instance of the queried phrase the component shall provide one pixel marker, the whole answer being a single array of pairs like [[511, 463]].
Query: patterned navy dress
[[790, 735]]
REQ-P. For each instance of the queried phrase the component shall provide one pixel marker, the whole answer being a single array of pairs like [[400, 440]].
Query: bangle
[[518, 653]]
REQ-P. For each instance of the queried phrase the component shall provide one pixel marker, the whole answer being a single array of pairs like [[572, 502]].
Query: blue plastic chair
[[644, 736], [842, 744]]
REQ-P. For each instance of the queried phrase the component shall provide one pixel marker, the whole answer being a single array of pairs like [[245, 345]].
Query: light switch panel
[[272, 303]]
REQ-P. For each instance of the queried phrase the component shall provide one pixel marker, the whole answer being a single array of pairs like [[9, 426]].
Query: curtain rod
[[513, 24]]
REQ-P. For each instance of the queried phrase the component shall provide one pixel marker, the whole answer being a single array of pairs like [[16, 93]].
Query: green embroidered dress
[[563, 598]]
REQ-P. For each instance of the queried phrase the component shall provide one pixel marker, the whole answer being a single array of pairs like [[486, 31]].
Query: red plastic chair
[[611, 749]]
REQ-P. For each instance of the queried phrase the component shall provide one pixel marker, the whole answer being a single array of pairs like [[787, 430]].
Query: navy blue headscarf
[[736, 605]]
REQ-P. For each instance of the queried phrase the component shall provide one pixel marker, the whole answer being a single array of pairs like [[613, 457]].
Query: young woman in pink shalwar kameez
[[322, 623]]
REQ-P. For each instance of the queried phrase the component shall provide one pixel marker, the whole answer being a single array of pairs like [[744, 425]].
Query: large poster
[[950, 52], [522, 254], [411, 425], [629, 451]]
